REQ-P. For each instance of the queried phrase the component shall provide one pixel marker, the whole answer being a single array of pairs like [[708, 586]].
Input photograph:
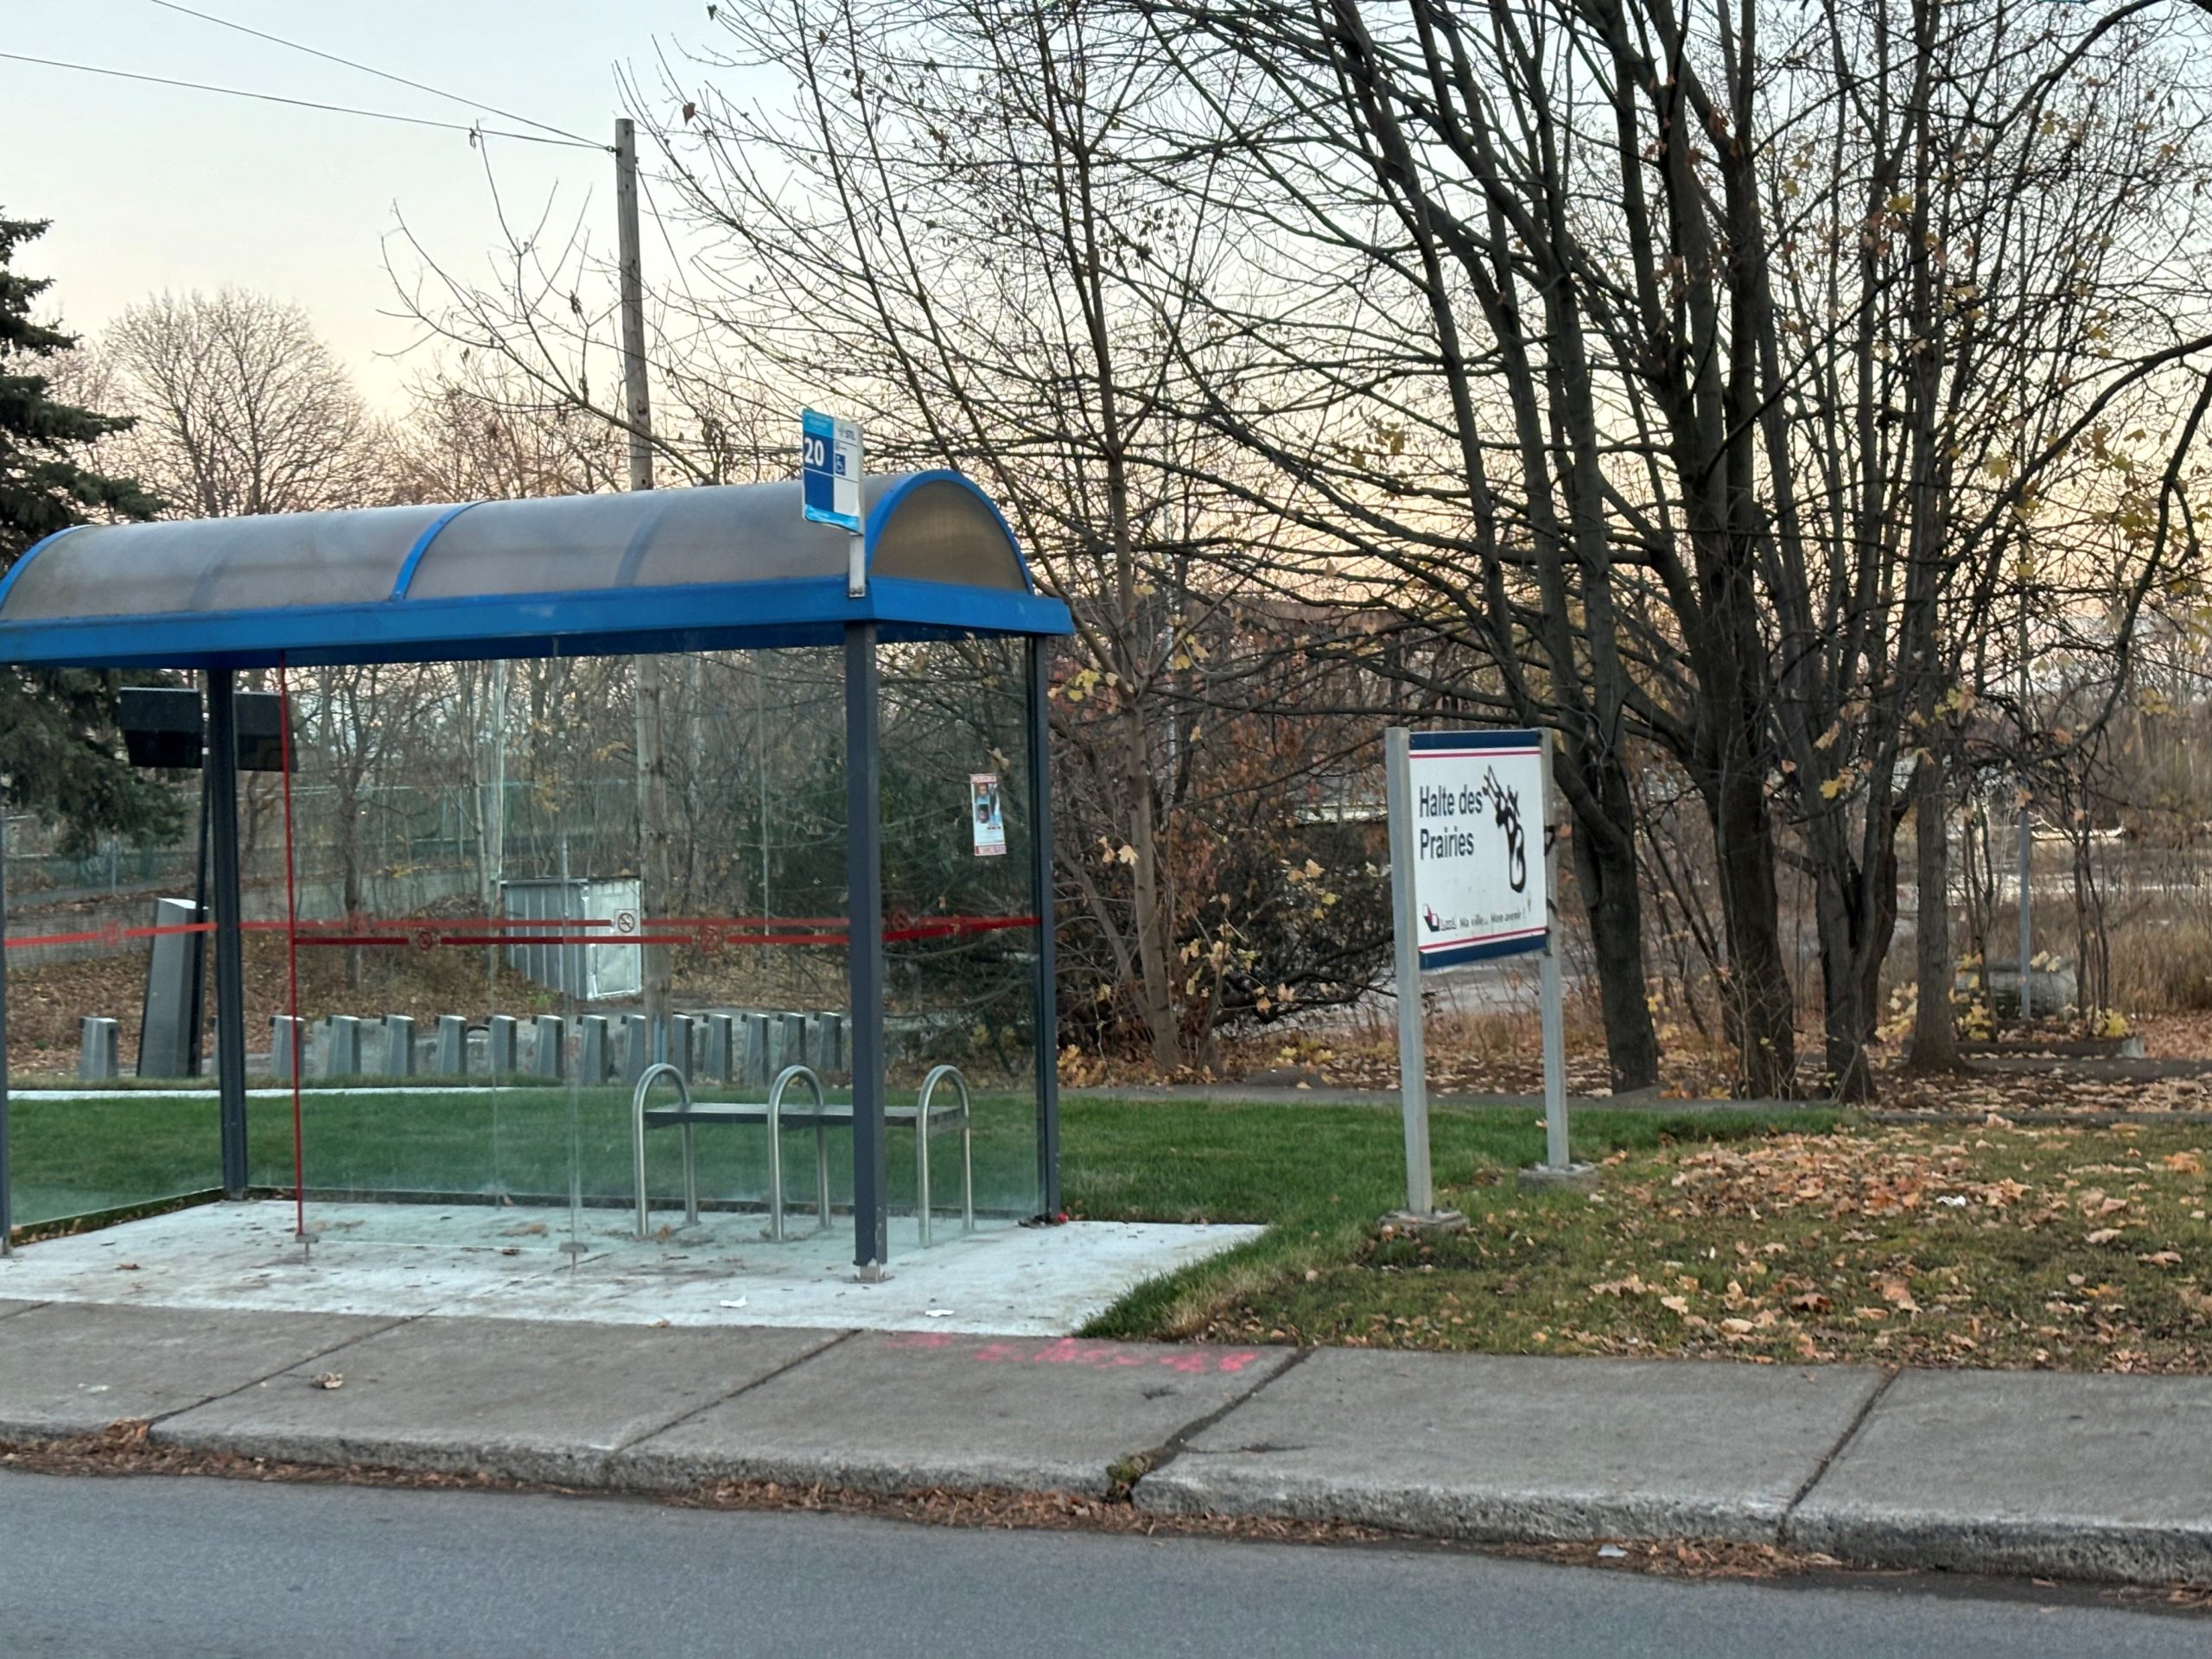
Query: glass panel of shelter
[[102, 944], [960, 941], [752, 925], [380, 948], [472, 942]]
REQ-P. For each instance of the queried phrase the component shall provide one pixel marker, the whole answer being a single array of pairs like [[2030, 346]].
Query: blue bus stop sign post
[[829, 469]]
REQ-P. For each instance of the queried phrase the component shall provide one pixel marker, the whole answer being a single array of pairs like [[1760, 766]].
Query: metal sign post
[[1466, 886], [1551, 992], [1413, 1047]]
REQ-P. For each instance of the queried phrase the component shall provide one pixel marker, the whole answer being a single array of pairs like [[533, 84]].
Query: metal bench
[[926, 1117]]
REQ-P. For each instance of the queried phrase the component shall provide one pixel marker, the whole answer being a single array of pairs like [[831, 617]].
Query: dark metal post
[[220, 781], [7, 1178], [1046, 1016], [864, 949]]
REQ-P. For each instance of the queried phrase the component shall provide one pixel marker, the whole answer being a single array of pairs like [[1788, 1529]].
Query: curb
[[2110, 1552]]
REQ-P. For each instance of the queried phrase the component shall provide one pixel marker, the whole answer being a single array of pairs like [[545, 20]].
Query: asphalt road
[[184, 1568]]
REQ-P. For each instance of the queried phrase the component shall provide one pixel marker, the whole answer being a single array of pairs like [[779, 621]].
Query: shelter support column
[[220, 780], [1046, 1020], [864, 948]]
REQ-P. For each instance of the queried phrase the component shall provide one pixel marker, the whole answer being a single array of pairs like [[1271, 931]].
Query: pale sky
[[153, 187]]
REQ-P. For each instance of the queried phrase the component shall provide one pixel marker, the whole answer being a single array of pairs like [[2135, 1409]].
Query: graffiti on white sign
[[1477, 800]]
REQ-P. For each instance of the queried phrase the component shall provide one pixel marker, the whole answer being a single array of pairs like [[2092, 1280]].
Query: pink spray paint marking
[[1090, 1356]]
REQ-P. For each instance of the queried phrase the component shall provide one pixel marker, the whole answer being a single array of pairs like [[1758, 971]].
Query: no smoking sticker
[[626, 924]]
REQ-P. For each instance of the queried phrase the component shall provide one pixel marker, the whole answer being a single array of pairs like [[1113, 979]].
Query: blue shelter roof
[[718, 567]]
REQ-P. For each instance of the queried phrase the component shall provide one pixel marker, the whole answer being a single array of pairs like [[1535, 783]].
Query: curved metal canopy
[[724, 566]]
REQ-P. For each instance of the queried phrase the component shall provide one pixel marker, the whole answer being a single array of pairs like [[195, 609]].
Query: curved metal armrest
[[646, 1078], [785, 1079], [963, 1117], [940, 1074]]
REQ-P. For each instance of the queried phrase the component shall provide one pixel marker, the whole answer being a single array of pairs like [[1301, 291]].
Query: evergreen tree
[[60, 751]]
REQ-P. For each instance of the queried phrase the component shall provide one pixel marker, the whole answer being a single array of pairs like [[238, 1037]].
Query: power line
[[304, 103], [366, 69]]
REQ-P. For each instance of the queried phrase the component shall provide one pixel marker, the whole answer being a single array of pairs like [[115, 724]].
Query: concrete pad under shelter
[[1523, 1448], [526, 1401], [70, 1369], [517, 1262], [891, 1412], [2026, 1472]]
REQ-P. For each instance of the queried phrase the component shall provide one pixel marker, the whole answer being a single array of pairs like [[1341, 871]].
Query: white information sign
[[986, 813], [1477, 844], [1470, 880]]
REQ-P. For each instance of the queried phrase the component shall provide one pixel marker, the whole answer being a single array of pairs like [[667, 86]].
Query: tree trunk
[[1758, 980], [1842, 1010], [1934, 1045], [1605, 868], [1149, 920]]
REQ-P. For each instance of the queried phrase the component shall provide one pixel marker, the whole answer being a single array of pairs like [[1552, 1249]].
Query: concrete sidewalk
[[2102, 1477]]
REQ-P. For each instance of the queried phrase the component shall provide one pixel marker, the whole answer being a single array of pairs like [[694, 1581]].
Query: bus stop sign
[[830, 467]]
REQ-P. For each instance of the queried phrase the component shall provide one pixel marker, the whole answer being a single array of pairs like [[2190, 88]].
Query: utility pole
[[652, 758]]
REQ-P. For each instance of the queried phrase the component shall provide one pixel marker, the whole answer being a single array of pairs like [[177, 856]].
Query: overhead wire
[[546, 133], [474, 129], [370, 69]]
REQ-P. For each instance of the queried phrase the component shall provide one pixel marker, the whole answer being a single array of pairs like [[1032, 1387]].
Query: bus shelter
[[505, 724]]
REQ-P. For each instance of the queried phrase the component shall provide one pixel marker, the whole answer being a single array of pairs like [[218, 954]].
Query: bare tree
[[240, 408], [964, 268], [1705, 362]]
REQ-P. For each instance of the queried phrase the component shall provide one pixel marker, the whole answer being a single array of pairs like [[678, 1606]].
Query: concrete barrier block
[[828, 1045], [287, 1046], [450, 1059], [595, 1050], [637, 1046], [341, 1047], [756, 1057], [791, 1045], [549, 1055], [721, 1059], [399, 1045], [98, 1046], [500, 1050]]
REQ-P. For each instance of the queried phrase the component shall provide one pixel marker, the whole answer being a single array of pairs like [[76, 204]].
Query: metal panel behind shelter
[[590, 973]]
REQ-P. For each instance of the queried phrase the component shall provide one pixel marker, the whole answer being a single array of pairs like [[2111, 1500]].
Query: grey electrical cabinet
[[585, 909]]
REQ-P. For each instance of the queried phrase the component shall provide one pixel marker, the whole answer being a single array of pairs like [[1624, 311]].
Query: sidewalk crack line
[[1176, 1444], [682, 1417], [1828, 1462], [159, 1417]]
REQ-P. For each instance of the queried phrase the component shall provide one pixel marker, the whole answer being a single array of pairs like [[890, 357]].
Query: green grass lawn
[[2077, 1247], [77, 1157], [1322, 1176], [1784, 1235]]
